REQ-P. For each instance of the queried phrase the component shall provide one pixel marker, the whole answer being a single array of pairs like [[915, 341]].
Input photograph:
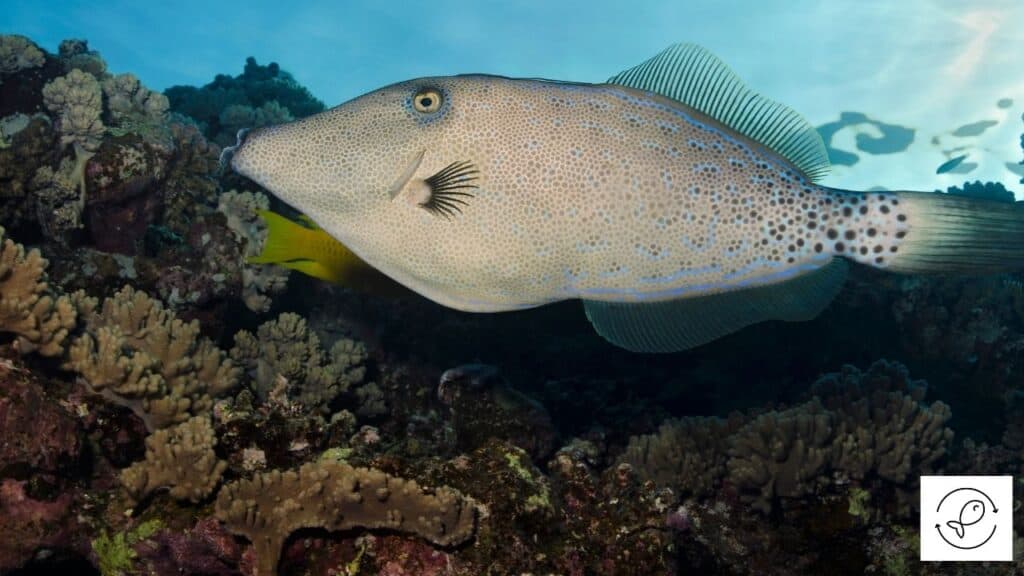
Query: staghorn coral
[[258, 281], [137, 353], [180, 458], [688, 454], [336, 496], [129, 101], [27, 306], [77, 101], [286, 348], [18, 53]]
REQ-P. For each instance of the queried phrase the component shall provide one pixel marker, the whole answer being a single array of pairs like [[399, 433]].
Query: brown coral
[[180, 458], [336, 496], [781, 454], [136, 352], [286, 348], [688, 454], [27, 306]]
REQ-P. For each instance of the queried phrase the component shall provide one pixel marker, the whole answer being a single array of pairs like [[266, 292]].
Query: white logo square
[[967, 518]]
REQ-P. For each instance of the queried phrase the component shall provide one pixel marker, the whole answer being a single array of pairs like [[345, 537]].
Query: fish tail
[[935, 233], [957, 527], [285, 240]]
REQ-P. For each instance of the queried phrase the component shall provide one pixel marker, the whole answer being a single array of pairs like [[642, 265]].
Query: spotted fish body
[[649, 209]]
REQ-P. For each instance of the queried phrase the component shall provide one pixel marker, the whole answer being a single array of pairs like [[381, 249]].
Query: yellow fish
[[305, 247], [678, 204]]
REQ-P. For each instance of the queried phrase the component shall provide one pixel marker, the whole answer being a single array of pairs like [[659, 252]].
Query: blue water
[[928, 65]]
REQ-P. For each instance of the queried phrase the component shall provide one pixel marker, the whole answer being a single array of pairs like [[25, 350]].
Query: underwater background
[[169, 407]]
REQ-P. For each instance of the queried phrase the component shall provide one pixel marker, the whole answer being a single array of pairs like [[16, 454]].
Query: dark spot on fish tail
[[850, 234], [884, 209], [818, 247], [832, 234], [840, 246], [872, 232], [863, 209]]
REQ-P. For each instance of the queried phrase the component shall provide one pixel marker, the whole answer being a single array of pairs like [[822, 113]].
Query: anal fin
[[675, 325]]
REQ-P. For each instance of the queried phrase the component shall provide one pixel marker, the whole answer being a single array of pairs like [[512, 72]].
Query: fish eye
[[427, 100]]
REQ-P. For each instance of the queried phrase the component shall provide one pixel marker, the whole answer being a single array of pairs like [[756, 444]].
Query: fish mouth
[[228, 153], [406, 175]]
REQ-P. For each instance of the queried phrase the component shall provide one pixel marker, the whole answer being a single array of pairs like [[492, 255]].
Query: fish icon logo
[[972, 513], [972, 527]]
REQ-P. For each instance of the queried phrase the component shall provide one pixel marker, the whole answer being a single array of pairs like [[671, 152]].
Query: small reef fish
[[971, 513], [950, 164], [675, 202], [305, 247]]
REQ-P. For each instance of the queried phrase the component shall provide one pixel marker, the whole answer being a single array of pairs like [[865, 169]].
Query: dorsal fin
[[690, 74]]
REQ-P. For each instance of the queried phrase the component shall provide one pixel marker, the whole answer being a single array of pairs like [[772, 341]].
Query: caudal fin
[[946, 233]]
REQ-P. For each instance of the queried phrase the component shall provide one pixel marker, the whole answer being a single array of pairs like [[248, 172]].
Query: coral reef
[[985, 190], [688, 454], [259, 282], [77, 100], [133, 442], [28, 308], [180, 458], [135, 352], [260, 95], [18, 53], [482, 405], [129, 101], [336, 496], [285, 353]]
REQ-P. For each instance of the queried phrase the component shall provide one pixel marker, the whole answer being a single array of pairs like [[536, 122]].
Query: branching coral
[[781, 454], [259, 281], [18, 53], [864, 425], [237, 116], [688, 454], [129, 101], [336, 496], [260, 95], [27, 307], [137, 353], [77, 101], [286, 348], [861, 426], [180, 458]]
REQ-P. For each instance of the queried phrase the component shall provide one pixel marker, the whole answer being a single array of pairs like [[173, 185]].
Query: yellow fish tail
[[286, 240]]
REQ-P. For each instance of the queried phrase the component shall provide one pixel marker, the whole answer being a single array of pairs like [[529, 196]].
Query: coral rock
[[337, 496]]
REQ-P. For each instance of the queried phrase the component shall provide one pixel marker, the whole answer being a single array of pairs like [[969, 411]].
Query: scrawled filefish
[[677, 203]]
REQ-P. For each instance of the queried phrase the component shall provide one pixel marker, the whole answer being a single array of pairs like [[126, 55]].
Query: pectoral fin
[[676, 325]]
